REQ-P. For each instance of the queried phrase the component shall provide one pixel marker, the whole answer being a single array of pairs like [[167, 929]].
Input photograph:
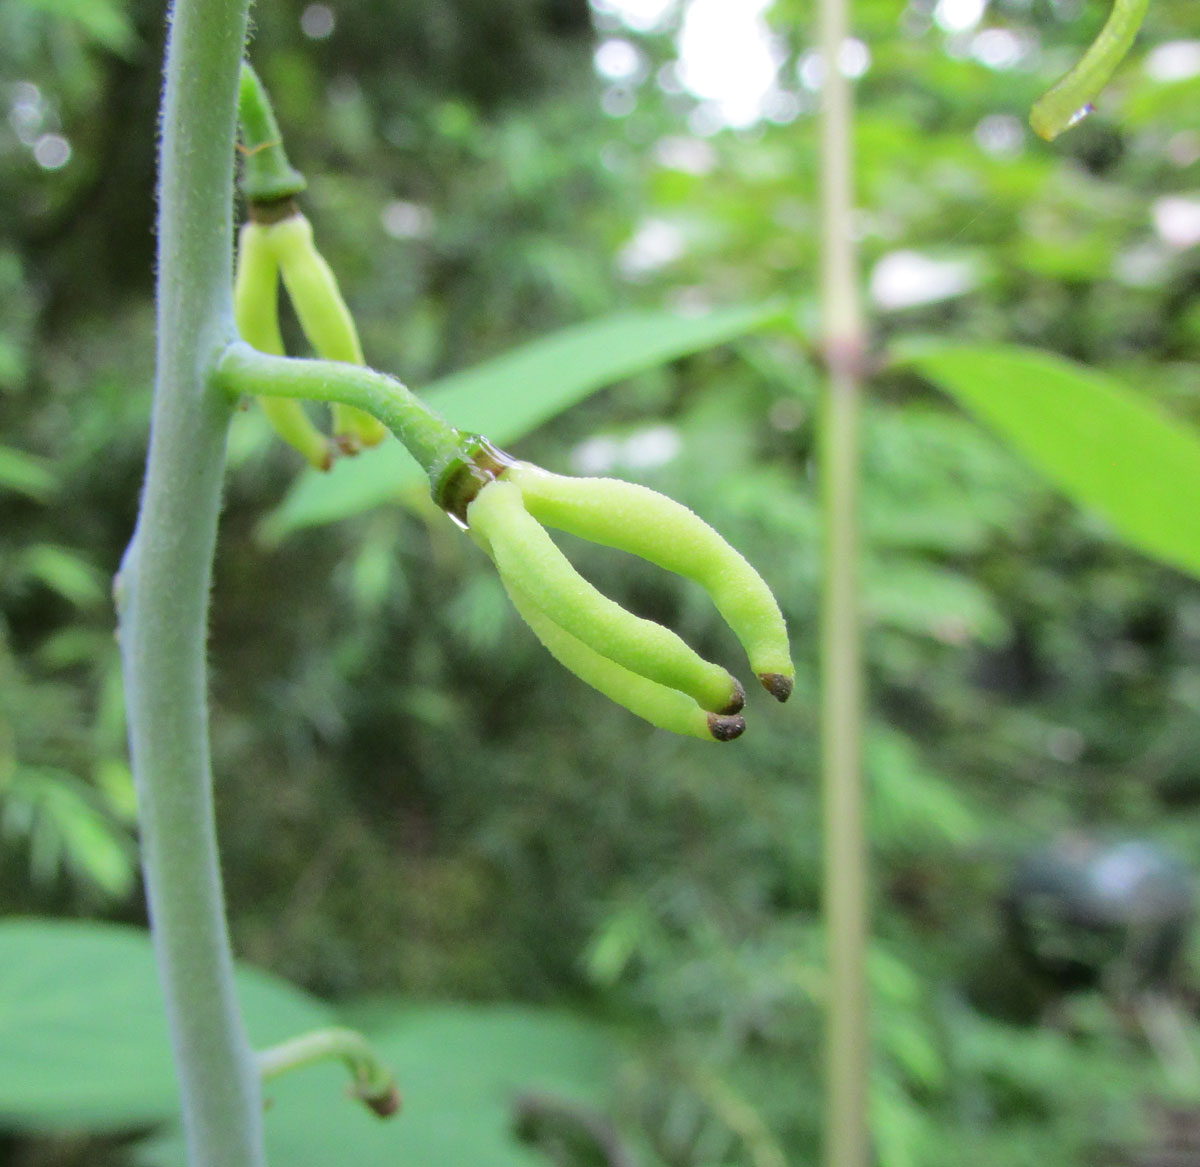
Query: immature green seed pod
[[313, 290], [663, 531], [1071, 99], [529, 561], [256, 313], [255, 290], [662, 707]]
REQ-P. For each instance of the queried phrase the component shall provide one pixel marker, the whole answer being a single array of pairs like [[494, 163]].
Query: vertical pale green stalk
[[162, 591], [845, 871]]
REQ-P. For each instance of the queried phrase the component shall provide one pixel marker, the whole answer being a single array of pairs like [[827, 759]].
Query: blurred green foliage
[[413, 800]]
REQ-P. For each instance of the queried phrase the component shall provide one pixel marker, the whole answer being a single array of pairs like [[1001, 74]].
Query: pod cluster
[[504, 504], [284, 250], [637, 663]]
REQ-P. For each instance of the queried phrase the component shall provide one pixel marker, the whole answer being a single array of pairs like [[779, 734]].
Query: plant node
[[466, 475]]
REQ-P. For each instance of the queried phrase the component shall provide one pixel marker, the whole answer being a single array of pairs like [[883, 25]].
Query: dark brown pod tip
[[725, 729], [386, 1104], [737, 700], [779, 686], [349, 445]]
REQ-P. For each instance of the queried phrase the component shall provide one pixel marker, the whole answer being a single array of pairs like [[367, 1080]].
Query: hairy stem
[[162, 590], [845, 867]]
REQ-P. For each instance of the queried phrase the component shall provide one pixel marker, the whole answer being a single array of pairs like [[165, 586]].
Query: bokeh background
[[415, 802]]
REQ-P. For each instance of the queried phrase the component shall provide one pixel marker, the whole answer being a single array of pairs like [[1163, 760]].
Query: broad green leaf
[[83, 1037], [83, 1046], [1109, 448], [509, 396], [460, 1069]]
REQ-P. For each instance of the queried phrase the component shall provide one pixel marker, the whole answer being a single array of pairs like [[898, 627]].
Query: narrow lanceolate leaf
[[24, 474], [1109, 447], [513, 394]]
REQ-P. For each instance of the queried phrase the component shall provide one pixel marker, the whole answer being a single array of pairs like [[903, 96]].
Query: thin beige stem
[[847, 1142]]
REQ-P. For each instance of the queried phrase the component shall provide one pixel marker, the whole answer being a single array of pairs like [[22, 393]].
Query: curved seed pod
[[662, 707], [528, 560], [256, 312], [255, 290], [314, 291], [648, 524], [291, 422], [1071, 99], [326, 320]]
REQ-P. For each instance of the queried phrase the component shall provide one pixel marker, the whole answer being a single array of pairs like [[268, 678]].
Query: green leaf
[[911, 806], [1109, 448], [509, 396], [24, 474], [927, 600], [103, 21], [65, 572], [83, 1046], [460, 1068], [83, 1036], [68, 830], [934, 481]]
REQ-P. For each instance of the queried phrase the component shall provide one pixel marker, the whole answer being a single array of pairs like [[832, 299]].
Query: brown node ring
[[461, 481], [268, 212]]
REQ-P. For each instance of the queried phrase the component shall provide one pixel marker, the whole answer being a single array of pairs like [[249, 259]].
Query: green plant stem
[[845, 867], [163, 587], [267, 176], [430, 440], [374, 1083]]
